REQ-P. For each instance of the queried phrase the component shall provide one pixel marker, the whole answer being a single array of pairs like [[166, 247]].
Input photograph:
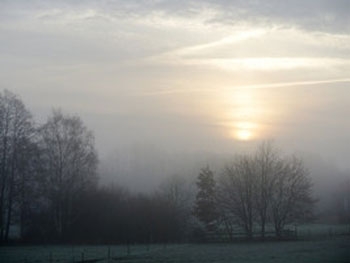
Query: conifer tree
[[205, 204]]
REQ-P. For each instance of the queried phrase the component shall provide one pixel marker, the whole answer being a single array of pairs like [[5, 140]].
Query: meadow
[[317, 243]]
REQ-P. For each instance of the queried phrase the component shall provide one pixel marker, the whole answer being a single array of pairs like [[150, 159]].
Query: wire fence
[[75, 254], [291, 232], [142, 252]]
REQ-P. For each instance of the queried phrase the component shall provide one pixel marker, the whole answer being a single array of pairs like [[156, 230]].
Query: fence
[[310, 231], [140, 253], [75, 254]]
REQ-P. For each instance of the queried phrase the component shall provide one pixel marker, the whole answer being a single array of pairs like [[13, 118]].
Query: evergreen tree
[[205, 205]]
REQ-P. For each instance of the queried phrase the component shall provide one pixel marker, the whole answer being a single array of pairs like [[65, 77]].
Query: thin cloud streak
[[240, 36], [292, 84], [171, 91], [271, 64]]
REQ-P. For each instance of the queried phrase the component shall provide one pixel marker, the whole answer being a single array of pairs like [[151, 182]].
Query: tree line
[[50, 192], [49, 189], [255, 191], [44, 169]]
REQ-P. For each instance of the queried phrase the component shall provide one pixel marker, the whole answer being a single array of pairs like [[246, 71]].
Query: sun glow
[[244, 131], [244, 135], [244, 115]]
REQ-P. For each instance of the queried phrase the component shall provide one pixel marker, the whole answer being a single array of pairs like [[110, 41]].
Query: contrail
[[257, 86], [297, 83]]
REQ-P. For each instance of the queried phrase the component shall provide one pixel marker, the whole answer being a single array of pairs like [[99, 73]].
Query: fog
[[168, 87]]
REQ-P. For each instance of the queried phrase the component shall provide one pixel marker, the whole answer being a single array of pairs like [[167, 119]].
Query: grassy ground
[[336, 249], [322, 243]]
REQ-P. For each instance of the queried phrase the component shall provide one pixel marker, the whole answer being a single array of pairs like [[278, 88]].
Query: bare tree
[[265, 188], [16, 131], [29, 187], [178, 196], [177, 191], [291, 199], [341, 202], [71, 163], [236, 192], [268, 166]]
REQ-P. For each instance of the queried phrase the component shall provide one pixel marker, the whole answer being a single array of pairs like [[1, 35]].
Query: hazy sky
[[180, 75]]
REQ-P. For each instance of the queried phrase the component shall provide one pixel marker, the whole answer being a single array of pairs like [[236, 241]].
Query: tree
[[16, 134], [268, 166], [29, 185], [292, 199], [205, 204], [236, 192], [70, 165], [341, 202], [177, 195], [265, 188]]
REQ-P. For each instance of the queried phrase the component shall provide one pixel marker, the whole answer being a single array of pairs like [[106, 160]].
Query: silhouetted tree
[[265, 188], [70, 165], [292, 197], [236, 193], [341, 202], [16, 132], [177, 195], [30, 187], [205, 204], [268, 167]]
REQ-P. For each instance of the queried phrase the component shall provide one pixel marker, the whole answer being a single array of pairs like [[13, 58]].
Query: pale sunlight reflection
[[244, 131], [243, 115], [244, 135]]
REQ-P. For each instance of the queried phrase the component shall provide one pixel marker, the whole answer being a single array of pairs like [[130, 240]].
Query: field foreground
[[330, 250]]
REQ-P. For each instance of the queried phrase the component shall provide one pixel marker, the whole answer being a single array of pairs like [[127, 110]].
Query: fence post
[[330, 232], [73, 254], [128, 248], [295, 231]]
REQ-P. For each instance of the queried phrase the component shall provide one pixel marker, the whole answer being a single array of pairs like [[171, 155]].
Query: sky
[[186, 76]]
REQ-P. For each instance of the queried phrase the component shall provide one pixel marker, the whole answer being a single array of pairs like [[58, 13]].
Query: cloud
[[265, 49], [164, 68], [315, 15], [294, 84]]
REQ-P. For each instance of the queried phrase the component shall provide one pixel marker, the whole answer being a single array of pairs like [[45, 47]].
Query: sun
[[243, 115], [244, 131], [244, 135]]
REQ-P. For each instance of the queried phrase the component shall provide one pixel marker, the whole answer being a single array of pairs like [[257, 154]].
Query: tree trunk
[[22, 208], [10, 198], [2, 211], [278, 230], [3, 183], [9, 215], [249, 234], [249, 230], [263, 228]]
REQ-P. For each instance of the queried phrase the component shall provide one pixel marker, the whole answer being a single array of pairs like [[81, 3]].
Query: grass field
[[330, 250], [326, 244]]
